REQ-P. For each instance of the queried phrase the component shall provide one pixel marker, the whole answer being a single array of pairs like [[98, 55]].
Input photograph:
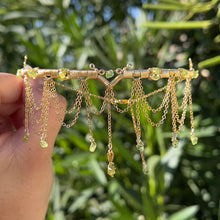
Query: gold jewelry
[[136, 103]]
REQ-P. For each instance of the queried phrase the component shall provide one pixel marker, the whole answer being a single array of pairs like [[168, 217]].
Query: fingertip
[[10, 88]]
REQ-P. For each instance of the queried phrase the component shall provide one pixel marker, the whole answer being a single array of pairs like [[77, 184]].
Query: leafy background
[[182, 183]]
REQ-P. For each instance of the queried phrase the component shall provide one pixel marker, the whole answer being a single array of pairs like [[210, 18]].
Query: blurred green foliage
[[182, 183]]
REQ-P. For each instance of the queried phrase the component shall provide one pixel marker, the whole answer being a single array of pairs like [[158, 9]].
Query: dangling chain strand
[[86, 96], [110, 153], [136, 103]]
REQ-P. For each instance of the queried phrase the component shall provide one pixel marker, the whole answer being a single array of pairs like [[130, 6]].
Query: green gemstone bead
[[155, 73], [43, 144], [140, 146], [25, 138], [62, 74], [195, 74], [92, 147], [111, 169], [184, 73], [32, 74], [175, 143], [194, 140], [109, 74]]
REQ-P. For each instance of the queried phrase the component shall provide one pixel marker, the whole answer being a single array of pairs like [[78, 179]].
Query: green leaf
[[149, 208], [153, 164], [98, 172], [127, 155], [81, 199], [170, 7], [192, 7], [161, 141], [185, 214], [100, 53], [20, 14], [76, 159], [58, 213], [209, 62], [130, 195], [207, 131], [71, 27], [77, 139], [40, 40], [170, 162], [178, 25], [125, 213]]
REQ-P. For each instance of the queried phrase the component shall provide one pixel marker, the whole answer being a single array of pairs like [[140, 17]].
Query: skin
[[26, 173]]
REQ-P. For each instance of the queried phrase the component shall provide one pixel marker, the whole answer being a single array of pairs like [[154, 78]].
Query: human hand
[[26, 173]]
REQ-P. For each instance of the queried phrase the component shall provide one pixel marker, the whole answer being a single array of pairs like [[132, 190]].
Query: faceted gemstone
[[175, 143], [92, 147], [184, 73], [32, 74], [25, 138], [195, 74], [155, 70], [111, 169], [43, 144], [194, 139], [140, 146], [62, 74], [155, 73], [19, 73], [109, 74]]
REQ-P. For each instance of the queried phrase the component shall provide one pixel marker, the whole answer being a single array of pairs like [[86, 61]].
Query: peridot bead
[[92, 147], [194, 139], [32, 74], [184, 73], [155, 73], [175, 143], [62, 74], [195, 74], [140, 146], [109, 74], [43, 144], [111, 169], [25, 138]]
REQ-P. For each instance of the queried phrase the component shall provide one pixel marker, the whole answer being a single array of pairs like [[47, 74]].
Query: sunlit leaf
[[185, 213]]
